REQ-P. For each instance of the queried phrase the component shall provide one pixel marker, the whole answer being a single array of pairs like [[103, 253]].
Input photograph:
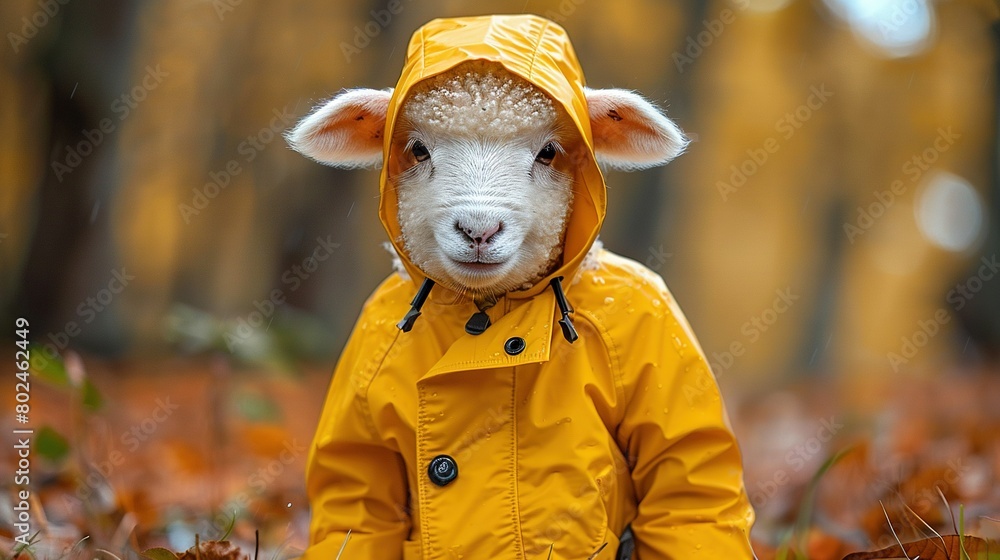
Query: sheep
[[485, 194], [491, 190]]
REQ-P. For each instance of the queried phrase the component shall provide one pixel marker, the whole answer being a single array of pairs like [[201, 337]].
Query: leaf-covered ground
[[132, 456]]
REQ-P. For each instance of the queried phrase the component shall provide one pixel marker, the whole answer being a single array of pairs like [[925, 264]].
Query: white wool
[[397, 261], [483, 129], [485, 102]]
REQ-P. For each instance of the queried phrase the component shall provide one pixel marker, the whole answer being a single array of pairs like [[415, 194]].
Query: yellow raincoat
[[438, 444]]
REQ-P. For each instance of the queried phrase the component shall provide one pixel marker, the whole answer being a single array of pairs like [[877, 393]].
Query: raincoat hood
[[538, 51]]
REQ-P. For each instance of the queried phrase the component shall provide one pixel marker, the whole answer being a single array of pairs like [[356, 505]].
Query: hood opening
[[538, 51]]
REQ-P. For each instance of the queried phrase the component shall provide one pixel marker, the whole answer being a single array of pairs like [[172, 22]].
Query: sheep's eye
[[420, 151], [546, 155]]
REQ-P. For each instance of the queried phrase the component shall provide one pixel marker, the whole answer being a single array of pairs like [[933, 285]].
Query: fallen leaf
[[159, 554], [935, 548], [213, 550]]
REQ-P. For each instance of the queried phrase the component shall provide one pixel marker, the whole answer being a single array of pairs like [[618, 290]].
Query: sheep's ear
[[346, 131], [629, 132]]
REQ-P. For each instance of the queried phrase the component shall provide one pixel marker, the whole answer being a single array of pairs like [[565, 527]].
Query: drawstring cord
[[478, 326], [418, 301], [569, 331]]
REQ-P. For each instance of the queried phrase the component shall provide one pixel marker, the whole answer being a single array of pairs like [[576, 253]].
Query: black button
[[442, 470], [514, 345]]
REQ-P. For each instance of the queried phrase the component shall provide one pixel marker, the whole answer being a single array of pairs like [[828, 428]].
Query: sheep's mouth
[[478, 266]]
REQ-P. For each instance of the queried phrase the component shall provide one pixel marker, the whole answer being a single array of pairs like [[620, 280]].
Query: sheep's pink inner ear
[[630, 132], [346, 131]]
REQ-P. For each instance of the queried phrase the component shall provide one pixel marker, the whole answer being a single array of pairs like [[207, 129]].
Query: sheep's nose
[[478, 234]]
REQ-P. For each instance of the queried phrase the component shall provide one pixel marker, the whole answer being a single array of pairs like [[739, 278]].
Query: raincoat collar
[[513, 318], [538, 51]]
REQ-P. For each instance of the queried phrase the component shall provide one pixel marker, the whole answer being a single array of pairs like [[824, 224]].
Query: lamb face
[[485, 189], [482, 163]]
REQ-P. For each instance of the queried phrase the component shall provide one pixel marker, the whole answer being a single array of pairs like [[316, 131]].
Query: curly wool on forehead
[[478, 101]]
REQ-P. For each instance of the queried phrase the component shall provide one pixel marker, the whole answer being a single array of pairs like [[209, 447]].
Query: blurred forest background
[[836, 219]]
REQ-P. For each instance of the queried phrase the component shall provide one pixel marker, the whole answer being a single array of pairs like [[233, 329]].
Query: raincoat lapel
[[530, 320]]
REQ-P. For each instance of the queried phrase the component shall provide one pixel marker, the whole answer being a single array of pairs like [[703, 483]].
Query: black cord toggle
[[569, 331], [478, 323], [418, 301]]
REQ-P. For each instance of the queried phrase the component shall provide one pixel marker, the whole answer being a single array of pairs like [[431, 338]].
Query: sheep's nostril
[[478, 236], [467, 232]]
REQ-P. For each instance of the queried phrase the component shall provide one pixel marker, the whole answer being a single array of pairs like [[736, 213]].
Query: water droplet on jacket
[[598, 280], [698, 546], [657, 303], [609, 300], [434, 394], [659, 385], [666, 410], [565, 420]]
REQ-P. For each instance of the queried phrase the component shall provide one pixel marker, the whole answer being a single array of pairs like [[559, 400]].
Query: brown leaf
[[213, 550], [159, 554], [934, 548]]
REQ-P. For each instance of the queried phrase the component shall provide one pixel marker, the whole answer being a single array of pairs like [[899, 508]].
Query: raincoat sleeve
[[354, 482], [686, 466]]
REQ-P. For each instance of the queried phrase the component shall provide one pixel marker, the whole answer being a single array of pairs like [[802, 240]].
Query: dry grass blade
[[944, 547], [343, 546], [109, 553], [750, 544], [889, 521], [954, 525], [929, 549], [959, 527]]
